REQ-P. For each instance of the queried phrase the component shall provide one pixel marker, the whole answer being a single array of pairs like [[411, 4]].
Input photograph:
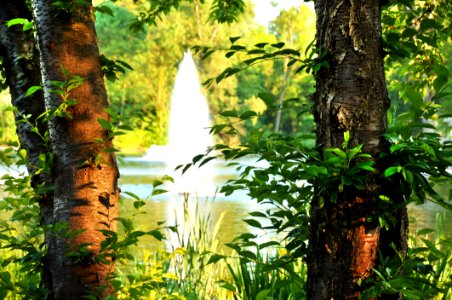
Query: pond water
[[138, 175]]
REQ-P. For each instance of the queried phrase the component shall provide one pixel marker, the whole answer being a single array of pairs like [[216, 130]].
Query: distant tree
[[296, 28]]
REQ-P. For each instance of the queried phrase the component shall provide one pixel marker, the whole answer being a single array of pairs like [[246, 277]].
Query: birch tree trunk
[[350, 96], [86, 192], [21, 63]]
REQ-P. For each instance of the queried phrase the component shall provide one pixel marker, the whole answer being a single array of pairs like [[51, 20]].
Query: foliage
[[423, 274], [7, 126], [144, 100], [416, 35], [196, 237], [223, 11], [258, 273], [416, 160], [285, 168], [21, 236]]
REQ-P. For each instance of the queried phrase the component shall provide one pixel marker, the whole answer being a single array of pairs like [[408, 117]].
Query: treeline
[[142, 96]]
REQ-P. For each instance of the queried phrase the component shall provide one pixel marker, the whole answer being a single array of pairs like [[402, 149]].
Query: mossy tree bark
[[350, 96], [86, 193]]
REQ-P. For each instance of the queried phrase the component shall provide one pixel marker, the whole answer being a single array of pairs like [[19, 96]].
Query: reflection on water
[[137, 177]]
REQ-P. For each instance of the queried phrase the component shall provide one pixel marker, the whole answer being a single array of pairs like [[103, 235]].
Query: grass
[[193, 263]]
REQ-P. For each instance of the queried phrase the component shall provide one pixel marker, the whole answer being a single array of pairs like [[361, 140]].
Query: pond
[[138, 175]]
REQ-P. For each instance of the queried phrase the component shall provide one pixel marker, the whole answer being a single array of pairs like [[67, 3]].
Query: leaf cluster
[[261, 52], [222, 11], [22, 247], [424, 273]]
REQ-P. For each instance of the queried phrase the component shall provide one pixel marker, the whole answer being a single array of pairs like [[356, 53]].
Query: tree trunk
[[350, 96], [86, 192], [21, 63]]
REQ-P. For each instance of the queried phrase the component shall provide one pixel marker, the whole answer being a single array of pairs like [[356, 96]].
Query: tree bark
[[350, 96], [86, 192], [21, 63]]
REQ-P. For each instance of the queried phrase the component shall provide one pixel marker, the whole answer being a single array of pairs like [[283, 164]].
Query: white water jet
[[188, 134]]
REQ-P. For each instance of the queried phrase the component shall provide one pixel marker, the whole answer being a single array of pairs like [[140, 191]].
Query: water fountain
[[188, 134]]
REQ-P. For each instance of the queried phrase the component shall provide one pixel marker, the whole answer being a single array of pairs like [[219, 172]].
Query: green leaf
[[424, 231], [256, 51], [197, 158], [229, 113], [206, 160], [388, 20], [258, 214], [393, 38], [253, 223], [260, 45], [217, 128], [17, 21], [104, 9], [264, 294], [214, 258], [158, 192], [440, 82], [228, 286], [28, 26], [156, 234], [138, 204], [229, 54], [234, 39], [346, 138], [433, 250], [409, 32], [278, 45], [247, 114], [391, 171], [134, 196], [206, 54], [248, 254], [233, 246], [105, 123], [32, 90], [269, 244], [366, 165], [237, 47], [427, 24], [268, 98]]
